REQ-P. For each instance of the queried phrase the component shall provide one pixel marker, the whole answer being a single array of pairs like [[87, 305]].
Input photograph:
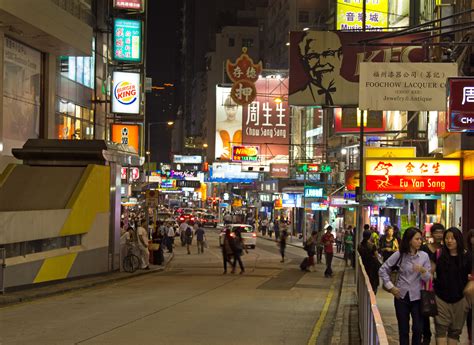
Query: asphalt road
[[191, 302]]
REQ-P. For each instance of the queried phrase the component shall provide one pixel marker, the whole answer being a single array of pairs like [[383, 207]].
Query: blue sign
[[313, 192], [349, 195]]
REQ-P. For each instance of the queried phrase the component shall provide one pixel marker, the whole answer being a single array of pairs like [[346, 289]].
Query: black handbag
[[428, 303], [394, 272]]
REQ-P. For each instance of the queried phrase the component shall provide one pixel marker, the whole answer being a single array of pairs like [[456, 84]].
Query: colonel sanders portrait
[[320, 55]]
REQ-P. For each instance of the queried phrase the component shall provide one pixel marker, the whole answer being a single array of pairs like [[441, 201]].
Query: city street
[[190, 302]]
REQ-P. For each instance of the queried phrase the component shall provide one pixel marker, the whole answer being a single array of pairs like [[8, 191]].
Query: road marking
[[319, 324]]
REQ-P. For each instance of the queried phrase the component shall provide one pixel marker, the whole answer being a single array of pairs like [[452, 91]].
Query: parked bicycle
[[131, 262]]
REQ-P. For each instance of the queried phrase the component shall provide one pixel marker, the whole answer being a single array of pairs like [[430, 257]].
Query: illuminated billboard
[[126, 134], [127, 40], [350, 14], [126, 93], [129, 4]]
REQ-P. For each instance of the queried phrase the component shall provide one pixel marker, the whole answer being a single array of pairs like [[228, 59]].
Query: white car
[[248, 234]]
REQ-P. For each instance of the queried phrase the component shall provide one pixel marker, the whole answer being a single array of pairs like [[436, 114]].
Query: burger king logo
[[125, 92]]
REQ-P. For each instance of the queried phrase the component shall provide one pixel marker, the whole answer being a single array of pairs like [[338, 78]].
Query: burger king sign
[[126, 93]]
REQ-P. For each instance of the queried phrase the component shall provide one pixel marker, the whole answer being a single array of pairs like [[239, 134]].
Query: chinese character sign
[[129, 4], [126, 135], [412, 175], [349, 15], [460, 93], [127, 40], [243, 73], [266, 120]]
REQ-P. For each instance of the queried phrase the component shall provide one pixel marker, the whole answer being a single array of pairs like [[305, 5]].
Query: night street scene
[[236, 172]]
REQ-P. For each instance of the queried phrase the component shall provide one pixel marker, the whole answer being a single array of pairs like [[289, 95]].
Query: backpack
[[189, 232]]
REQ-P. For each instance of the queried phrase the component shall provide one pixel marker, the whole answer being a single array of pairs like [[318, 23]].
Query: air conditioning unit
[[256, 168]]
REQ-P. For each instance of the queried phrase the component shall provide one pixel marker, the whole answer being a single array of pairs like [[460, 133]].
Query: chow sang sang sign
[[413, 175], [245, 153], [461, 104]]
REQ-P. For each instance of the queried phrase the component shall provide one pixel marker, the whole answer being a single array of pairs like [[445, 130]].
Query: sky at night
[[163, 67]]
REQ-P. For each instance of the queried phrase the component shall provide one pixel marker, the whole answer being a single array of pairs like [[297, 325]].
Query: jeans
[[328, 257], [403, 309], [237, 257], [200, 246], [319, 254], [426, 328]]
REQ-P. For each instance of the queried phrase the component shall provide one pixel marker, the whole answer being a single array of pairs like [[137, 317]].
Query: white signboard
[[187, 159], [126, 93], [404, 86]]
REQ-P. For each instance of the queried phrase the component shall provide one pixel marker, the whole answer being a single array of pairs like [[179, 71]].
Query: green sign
[[314, 168], [127, 40]]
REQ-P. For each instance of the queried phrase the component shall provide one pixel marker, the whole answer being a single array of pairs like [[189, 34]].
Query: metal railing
[[371, 327], [3, 256]]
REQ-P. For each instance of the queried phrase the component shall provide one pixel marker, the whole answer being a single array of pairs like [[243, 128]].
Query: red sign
[[413, 175], [244, 73], [352, 179], [324, 65], [348, 120], [129, 4], [461, 104], [265, 122], [245, 153]]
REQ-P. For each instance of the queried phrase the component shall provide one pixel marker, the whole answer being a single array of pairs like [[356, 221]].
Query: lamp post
[[148, 149]]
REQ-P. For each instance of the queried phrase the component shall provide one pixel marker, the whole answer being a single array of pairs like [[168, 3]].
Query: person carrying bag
[[414, 267]]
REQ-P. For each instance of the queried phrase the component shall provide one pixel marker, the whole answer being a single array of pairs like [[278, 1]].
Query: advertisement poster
[[404, 86], [21, 94], [347, 120], [349, 15], [126, 135], [127, 40], [126, 93], [324, 65], [228, 124], [266, 121], [245, 153]]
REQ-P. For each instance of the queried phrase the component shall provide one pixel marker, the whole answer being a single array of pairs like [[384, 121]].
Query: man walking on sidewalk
[[328, 241], [200, 239]]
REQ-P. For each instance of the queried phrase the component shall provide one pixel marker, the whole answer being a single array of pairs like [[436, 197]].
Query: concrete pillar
[[50, 79]]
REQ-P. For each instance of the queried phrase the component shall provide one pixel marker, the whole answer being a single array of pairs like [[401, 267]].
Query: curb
[[56, 289]]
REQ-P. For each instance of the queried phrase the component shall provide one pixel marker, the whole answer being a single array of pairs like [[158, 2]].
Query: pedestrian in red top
[[328, 242]]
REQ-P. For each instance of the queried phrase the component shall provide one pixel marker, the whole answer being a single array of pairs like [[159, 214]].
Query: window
[[43, 245], [74, 121], [247, 42], [303, 16], [231, 42], [79, 68]]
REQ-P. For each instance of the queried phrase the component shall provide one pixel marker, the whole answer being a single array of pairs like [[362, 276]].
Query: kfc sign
[[324, 65], [460, 93], [412, 175]]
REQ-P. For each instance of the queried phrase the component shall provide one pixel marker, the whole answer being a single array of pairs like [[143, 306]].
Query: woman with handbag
[[451, 276], [413, 268]]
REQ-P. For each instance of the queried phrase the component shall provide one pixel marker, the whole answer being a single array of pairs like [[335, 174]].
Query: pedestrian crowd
[[429, 276]]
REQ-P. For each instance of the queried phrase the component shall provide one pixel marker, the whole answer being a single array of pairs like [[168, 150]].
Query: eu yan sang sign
[[404, 86], [413, 175]]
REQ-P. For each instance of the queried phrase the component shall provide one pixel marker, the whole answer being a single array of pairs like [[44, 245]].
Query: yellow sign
[[349, 14], [396, 152], [237, 203]]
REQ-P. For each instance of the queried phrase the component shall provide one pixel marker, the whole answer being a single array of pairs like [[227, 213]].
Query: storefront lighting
[[170, 123], [343, 151], [287, 44], [305, 29], [278, 100], [356, 151]]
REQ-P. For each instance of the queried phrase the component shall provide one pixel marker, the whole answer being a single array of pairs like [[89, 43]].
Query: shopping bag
[[428, 303]]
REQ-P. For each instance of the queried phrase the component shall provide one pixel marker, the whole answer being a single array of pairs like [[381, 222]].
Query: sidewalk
[[34, 292], [387, 310]]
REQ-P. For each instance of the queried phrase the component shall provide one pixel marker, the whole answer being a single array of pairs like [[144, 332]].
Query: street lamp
[[148, 150]]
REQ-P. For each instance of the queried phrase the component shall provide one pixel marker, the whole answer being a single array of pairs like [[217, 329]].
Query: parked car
[[248, 234], [209, 220]]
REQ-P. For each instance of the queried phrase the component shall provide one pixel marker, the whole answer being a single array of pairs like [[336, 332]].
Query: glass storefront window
[[80, 68], [74, 121]]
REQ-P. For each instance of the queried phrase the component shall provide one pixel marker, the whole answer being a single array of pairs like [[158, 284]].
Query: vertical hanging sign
[[243, 73]]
